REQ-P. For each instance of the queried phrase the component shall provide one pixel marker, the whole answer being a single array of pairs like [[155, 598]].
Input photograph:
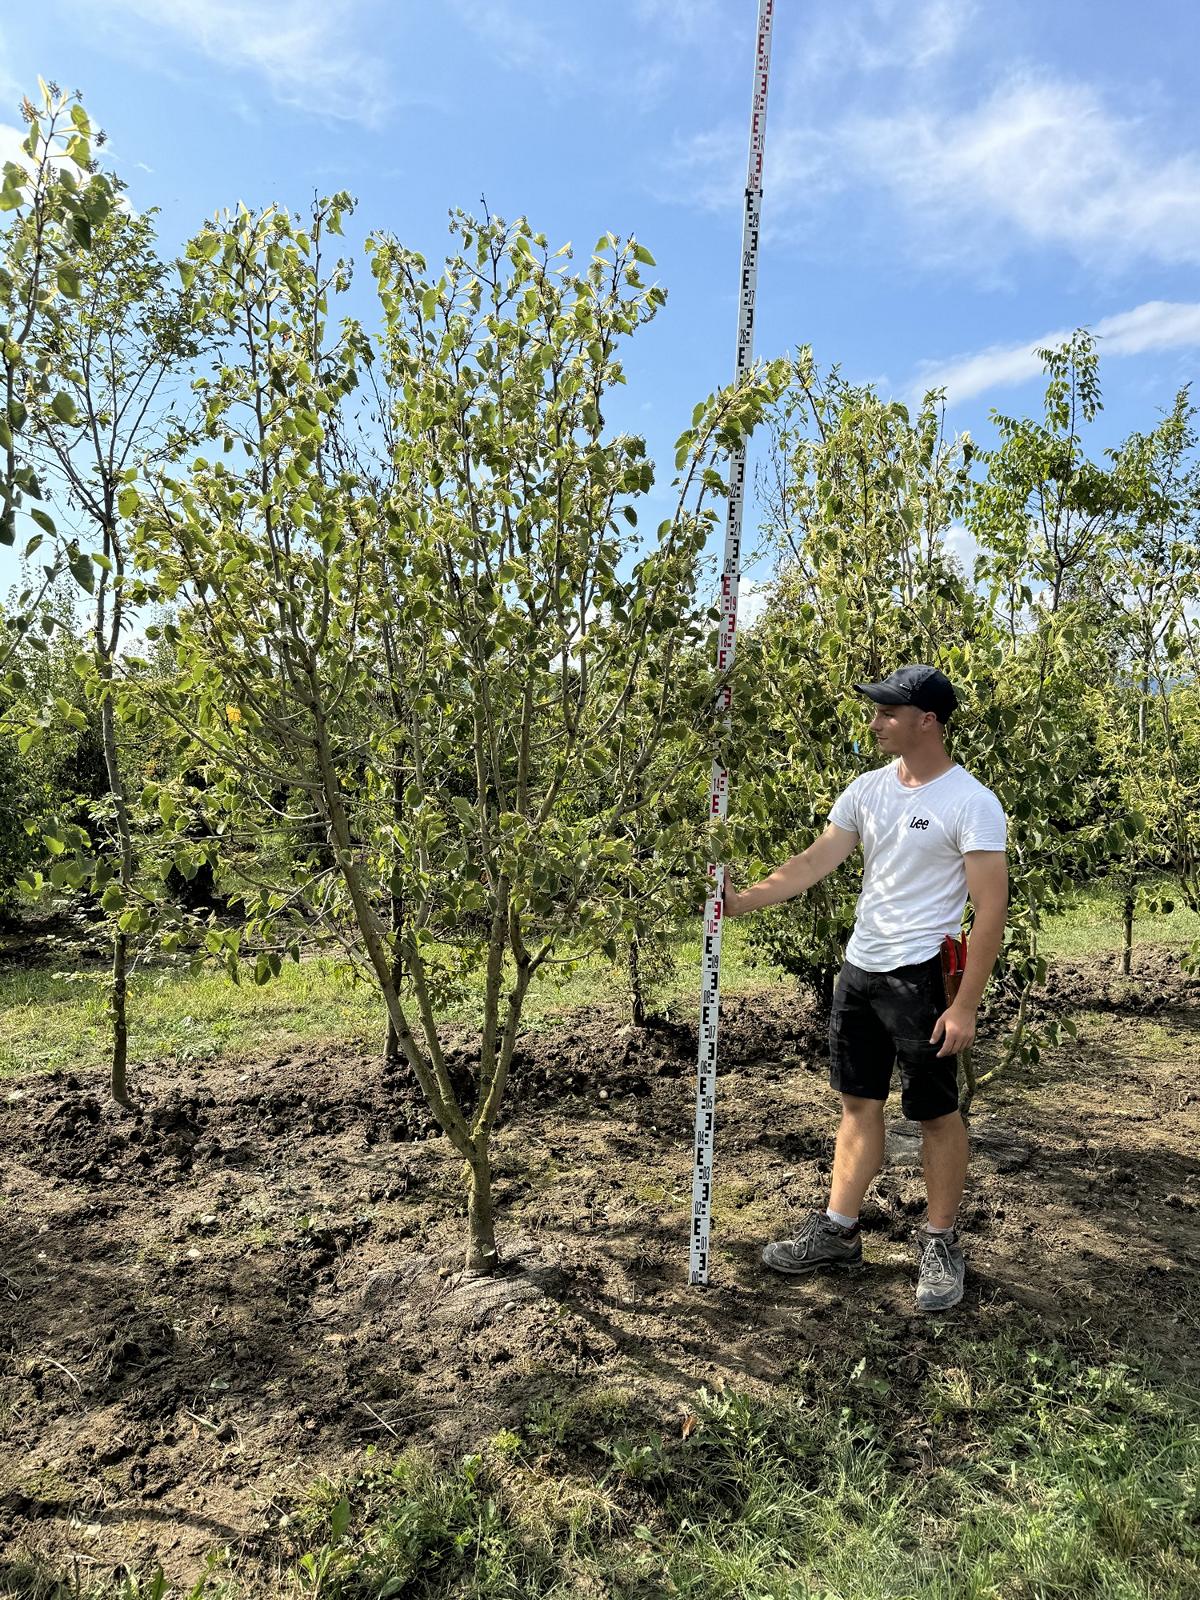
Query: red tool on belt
[[954, 964]]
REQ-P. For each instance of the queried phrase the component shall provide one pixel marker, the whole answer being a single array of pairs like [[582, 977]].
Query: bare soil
[[209, 1303]]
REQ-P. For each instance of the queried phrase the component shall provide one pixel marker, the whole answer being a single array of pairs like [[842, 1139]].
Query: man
[[932, 836]]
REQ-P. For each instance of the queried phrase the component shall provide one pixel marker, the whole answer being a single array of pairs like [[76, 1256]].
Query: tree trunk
[[636, 996], [1014, 1044], [391, 1046], [966, 1064], [481, 1221], [117, 1012], [116, 787], [1127, 949]]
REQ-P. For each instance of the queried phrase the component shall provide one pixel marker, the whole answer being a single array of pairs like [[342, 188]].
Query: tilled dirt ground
[[207, 1304]]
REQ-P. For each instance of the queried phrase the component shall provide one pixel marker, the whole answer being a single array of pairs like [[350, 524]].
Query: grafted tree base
[[528, 1272]]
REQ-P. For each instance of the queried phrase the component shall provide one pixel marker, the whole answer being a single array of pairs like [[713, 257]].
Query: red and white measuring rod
[[710, 962]]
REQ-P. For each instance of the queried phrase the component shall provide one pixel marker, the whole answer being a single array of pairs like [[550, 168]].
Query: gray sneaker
[[820, 1243], [942, 1271]]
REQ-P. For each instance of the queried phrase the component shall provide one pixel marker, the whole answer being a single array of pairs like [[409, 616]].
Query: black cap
[[923, 687]]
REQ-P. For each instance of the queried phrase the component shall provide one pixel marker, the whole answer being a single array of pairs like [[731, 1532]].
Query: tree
[[863, 502], [1153, 578], [53, 199], [493, 605], [859, 503], [102, 362]]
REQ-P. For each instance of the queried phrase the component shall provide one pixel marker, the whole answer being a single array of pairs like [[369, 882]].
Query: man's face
[[897, 728]]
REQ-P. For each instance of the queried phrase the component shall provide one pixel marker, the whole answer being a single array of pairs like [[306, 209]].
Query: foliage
[[1076, 561], [52, 198], [98, 363], [859, 502], [442, 646]]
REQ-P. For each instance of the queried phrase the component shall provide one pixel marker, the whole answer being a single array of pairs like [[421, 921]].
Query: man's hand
[[736, 902], [956, 1028]]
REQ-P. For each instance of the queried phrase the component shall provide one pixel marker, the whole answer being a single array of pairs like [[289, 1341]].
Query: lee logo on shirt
[[919, 822]]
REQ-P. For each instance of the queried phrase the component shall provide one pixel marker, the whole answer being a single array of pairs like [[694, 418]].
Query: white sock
[[842, 1222], [950, 1229]]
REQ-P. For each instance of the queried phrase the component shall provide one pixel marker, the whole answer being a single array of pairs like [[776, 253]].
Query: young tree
[[859, 503], [52, 197], [491, 606], [102, 364], [1153, 579], [1044, 519]]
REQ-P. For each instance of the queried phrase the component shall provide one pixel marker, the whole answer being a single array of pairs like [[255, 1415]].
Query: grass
[[1091, 924], [54, 1020], [1013, 1471]]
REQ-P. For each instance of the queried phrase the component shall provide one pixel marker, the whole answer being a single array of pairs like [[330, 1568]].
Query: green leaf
[[128, 501], [640, 253], [340, 1520], [84, 573], [63, 408], [68, 281]]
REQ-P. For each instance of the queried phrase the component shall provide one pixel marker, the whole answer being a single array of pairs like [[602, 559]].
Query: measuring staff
[[718, 802]]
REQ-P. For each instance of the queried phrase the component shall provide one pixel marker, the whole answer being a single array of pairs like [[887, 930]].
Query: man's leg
[[945, 1150], [930, 1097], [858, 1155], [860, 1066]]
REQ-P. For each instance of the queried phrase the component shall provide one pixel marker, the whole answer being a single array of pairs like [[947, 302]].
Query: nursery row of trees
[[376, 653]]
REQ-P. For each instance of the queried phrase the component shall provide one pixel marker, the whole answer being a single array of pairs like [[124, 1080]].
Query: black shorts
[[879, 1018]]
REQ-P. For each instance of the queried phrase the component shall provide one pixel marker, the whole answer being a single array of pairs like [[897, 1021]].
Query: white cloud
[[11, 140], [1045, 159], [961, 543], [708, 169], [754, 596], [905, 35], [516, 39], [301, 48], [1038, 162], [1156, 325]]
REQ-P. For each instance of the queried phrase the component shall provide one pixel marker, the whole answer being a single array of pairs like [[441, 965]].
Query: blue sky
[[946, 182]]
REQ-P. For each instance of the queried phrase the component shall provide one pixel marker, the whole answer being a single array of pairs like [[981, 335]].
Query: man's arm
[[795, 875], [987, 885]]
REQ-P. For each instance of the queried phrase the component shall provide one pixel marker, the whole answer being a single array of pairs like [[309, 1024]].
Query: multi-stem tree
[[496, 593], [860, 497], [1045, 518]]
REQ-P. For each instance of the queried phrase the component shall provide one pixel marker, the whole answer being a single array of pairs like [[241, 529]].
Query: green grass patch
[[1092, 923], [51, 1020], [54, 1020], [1010, 1473]]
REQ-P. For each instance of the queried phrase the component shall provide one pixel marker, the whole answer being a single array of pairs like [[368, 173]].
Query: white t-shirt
[[914, 886]]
